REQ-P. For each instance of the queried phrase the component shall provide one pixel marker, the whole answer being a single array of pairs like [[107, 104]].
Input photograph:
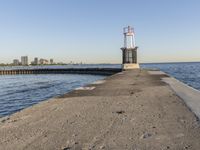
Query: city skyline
[[25, 61], [31, 59], [166, 31]]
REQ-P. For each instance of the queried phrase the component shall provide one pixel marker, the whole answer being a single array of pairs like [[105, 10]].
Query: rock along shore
[[132, 110]]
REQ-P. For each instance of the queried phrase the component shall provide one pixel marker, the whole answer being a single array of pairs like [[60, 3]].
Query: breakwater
[[94, 71], [123, 111]]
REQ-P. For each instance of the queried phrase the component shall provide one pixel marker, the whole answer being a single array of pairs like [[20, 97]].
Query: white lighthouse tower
[[129, 51]]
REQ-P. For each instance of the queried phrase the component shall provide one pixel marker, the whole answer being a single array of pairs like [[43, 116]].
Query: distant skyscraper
[[36, 61], [24, 60], [16, 62], [51, 61]]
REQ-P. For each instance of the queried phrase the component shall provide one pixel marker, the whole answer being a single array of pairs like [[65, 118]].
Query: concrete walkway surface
[[133, 110]]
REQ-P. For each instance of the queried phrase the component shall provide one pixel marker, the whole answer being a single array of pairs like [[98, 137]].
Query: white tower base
[[130, 66]]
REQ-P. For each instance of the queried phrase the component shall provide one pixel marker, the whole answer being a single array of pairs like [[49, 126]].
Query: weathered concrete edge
[[188, 94], [88, 87]]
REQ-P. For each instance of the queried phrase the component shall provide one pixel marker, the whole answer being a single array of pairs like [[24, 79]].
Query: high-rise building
[[24, 60], [51, 61], [36, 61], [16, 62]]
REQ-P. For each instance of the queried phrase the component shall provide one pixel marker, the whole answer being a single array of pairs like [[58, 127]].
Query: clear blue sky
[[91, 30]]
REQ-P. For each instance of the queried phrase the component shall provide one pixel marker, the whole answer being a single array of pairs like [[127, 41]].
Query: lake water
[[188, 73], [20, 91]]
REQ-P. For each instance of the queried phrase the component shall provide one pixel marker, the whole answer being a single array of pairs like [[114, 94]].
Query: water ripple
[[20, 91]]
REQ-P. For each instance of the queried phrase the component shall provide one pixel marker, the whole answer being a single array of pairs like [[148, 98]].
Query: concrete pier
[[133, 110]]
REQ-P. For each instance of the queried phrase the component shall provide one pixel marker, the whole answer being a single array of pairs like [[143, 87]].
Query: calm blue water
[[20, 91], [188, 73]]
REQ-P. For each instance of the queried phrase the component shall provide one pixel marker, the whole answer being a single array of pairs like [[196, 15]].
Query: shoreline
[[131, 109]]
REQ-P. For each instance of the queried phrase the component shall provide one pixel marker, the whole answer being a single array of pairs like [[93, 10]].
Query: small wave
[[45, 82]]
